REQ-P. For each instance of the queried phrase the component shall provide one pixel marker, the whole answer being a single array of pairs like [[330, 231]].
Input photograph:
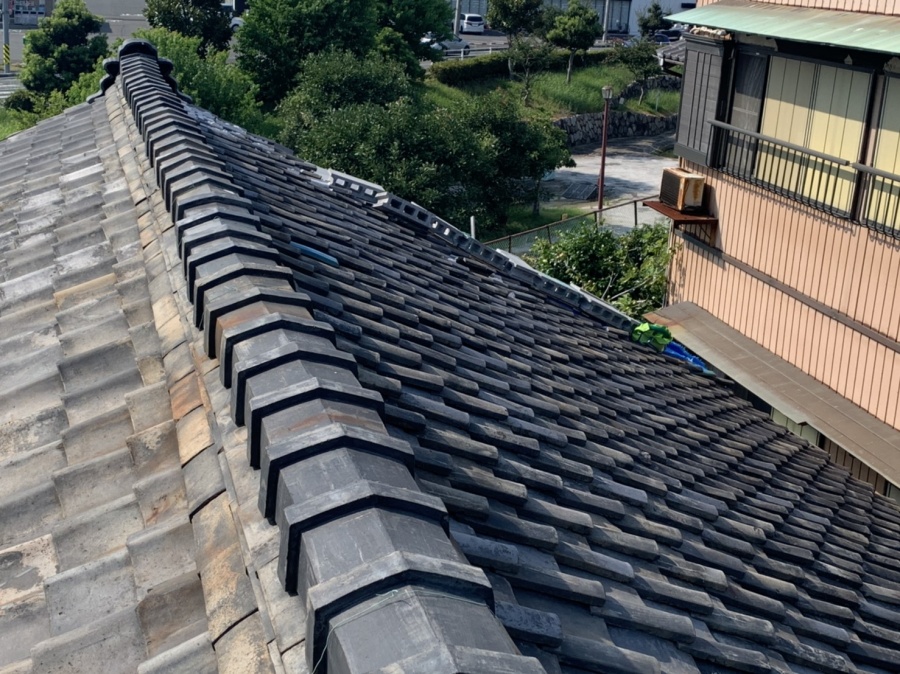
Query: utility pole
[[606, 23], [456, 19], [6, 36]]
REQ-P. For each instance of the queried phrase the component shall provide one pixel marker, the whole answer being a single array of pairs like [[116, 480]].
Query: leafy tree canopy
[[213, 83], [575, 30], [413, 18], [652, 19], [333, 80], [475, 157], [203, 19], [640, 59], [63, 47], [627, 271], [278, 34], [515, 17]]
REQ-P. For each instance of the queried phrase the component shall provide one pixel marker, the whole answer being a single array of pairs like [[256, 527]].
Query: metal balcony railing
[[879, 200], [819, 180]]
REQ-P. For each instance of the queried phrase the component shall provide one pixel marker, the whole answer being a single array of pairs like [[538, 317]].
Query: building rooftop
[[261, 416]]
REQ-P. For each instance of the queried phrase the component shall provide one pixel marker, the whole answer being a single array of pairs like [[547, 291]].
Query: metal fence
[[627, 217], [879, 200], [816, 179]]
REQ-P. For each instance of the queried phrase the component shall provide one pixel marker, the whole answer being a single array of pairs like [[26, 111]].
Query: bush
[[460, 71], [22, 101]]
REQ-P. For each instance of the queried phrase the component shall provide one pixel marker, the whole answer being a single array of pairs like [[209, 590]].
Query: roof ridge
[[243, 298]]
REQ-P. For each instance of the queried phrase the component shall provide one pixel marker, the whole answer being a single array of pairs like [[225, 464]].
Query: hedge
[[457, 71]]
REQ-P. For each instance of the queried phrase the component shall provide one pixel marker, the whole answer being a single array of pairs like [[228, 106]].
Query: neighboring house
[[622, 13], [258, 416], [790, 113]]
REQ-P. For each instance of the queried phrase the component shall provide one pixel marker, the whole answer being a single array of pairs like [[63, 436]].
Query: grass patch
[[656, 102], [12, 121], [582, 94], [522, 219], [551, 96]]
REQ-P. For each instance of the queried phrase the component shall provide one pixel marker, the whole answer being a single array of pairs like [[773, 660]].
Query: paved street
[[632, 172]]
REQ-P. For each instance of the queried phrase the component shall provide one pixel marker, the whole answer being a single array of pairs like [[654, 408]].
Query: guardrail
[[521, 243], [879, 200], [816, 179]]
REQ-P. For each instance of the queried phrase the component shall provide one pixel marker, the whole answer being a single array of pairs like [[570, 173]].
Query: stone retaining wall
[[588, 128]]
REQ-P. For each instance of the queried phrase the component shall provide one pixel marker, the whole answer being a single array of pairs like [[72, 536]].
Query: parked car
[[660, 38], [452, 46], [471, 23], [674, 34]]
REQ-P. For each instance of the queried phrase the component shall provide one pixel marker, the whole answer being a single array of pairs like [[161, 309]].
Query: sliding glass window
[[880, 204], [819, 112]]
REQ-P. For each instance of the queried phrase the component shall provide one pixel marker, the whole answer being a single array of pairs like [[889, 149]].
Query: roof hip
[[240, 291]]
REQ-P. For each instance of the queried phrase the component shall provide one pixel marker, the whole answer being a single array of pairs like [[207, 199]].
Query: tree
[[64, 46], [640, 60], [651, 20], [575, 30], [528, 56], [628, 271], [212, 82], [515, 17], [333, 80], [391, 45], [193, 18], [278, 34], [474, 157], [414, 18]]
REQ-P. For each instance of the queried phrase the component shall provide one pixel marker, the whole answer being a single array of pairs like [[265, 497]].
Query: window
[[703, 96], [821, 108], [880, 207]]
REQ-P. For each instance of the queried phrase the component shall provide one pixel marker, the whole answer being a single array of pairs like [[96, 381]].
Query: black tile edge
[[261, 268], [261, 363], [327, 601], [361, 495], [318, 441]]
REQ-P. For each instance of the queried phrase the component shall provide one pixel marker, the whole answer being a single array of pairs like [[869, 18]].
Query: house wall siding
[[857, 367], [888, 7], [818, 255]]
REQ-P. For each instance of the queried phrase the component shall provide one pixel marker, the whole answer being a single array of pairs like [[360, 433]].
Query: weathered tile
[[112, 644], [161, 496], [96, 532], [185, 396], [25, 567], [172, 613], [81, 595], [226, 587], [195, 655], [87, 484], [243, 649], [194, 434], [23, 624]]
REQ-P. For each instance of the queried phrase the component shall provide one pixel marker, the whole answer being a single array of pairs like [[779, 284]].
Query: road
[[633, 171], [122, 18]]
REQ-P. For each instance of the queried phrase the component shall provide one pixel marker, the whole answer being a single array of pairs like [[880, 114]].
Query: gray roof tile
[[634, 516]]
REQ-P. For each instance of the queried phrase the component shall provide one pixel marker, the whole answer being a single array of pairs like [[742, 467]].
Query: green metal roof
[[872, 32]]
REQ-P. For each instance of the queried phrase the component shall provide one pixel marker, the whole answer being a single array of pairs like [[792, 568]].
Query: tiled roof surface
[[440, 439], [96, 548], [632, 516]]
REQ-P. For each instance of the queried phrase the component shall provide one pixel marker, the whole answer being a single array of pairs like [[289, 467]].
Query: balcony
[[863, 194]]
